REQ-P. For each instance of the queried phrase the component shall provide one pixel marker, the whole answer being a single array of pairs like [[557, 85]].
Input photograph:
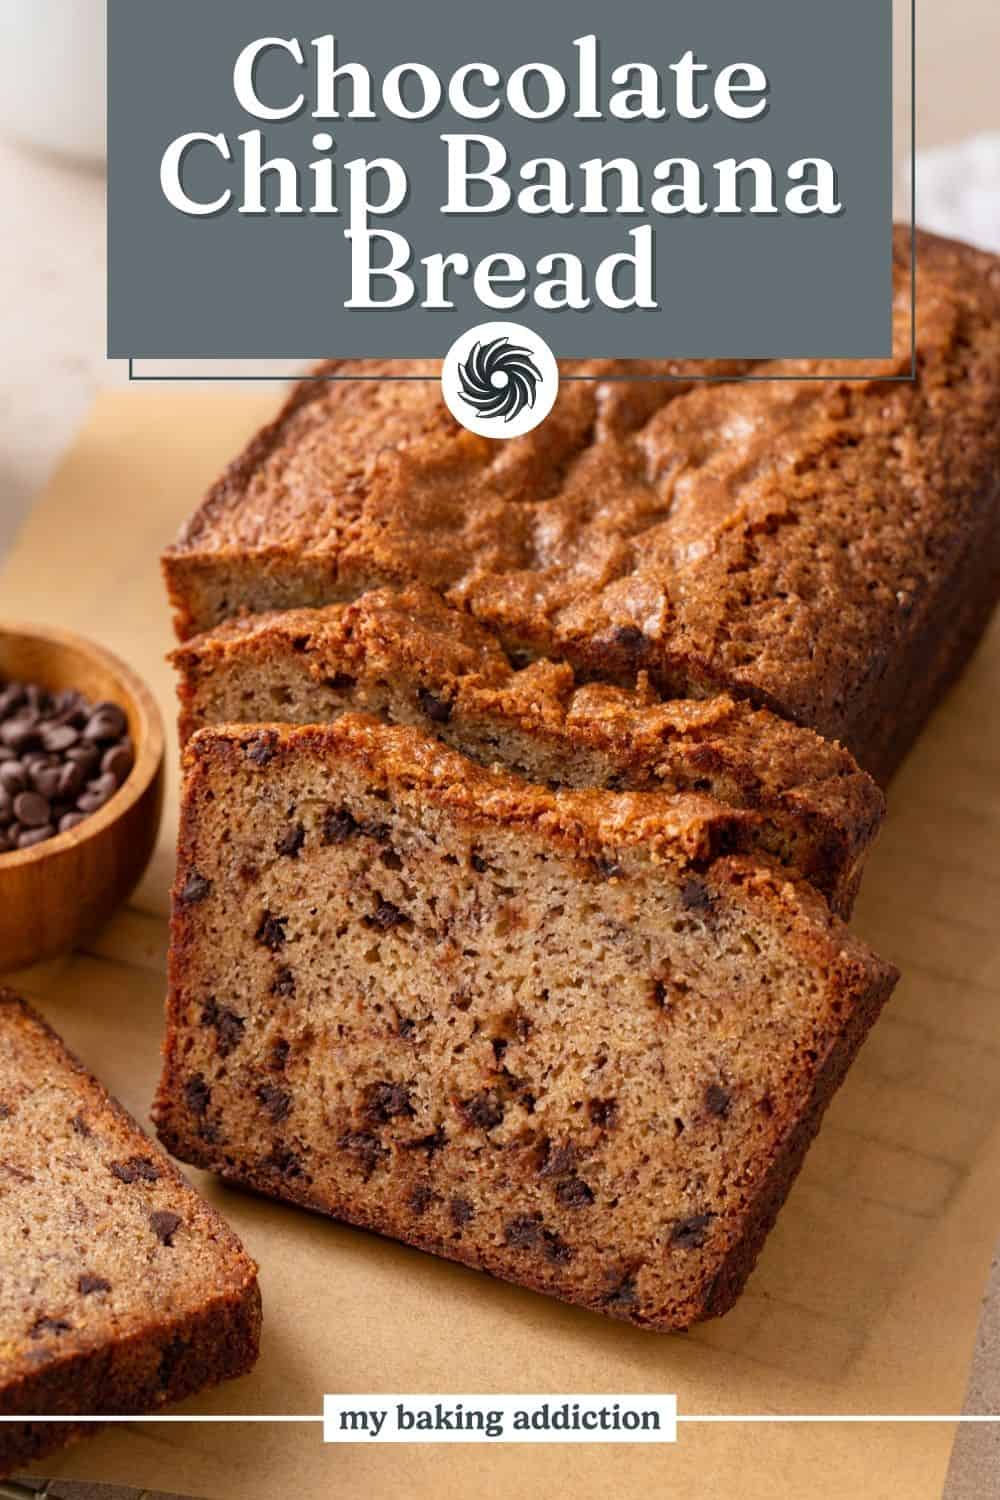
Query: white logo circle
[[500, 380]]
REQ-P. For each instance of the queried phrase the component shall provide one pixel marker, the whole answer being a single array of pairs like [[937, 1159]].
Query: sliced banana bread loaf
[[829, 550], [409, 658], [556, 1034], [120, 1288]]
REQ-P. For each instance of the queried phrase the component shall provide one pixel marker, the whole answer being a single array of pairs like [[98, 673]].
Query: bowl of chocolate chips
[[81, 789]]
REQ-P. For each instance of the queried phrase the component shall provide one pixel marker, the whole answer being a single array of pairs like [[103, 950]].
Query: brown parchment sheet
[[867, 1296]]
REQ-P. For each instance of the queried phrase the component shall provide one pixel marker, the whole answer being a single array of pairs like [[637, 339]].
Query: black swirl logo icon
[[499, 379]]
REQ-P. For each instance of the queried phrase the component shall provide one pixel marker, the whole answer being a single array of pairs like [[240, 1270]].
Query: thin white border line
[[770, 1417]]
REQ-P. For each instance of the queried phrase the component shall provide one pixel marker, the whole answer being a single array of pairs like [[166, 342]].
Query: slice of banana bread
[[120, 1288], [409, 658], [829, 550], [553, 1034]]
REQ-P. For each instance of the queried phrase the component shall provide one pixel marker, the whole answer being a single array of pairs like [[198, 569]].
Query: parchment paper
[[867, 1296]]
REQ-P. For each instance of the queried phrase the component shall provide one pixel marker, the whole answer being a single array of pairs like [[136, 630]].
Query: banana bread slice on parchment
[[120, 1288], [409, 658], [555, 1034]]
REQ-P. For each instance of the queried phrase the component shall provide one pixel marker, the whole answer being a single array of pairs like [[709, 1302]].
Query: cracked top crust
[[779, 540]]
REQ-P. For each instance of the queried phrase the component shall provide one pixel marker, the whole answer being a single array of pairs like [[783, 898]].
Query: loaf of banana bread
[[556, 1034], [120, 1288], [828, 549], [409, 658]]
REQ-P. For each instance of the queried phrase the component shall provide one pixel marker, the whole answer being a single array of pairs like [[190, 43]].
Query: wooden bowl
[[59, 892]]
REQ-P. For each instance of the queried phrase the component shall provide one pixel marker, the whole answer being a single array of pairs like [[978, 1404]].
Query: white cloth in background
[[958, 190]]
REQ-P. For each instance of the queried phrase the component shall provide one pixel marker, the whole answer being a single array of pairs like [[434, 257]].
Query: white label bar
[[499, 1419]]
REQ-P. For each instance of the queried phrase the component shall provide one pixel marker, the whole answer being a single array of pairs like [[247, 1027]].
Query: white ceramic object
[[53, 72]]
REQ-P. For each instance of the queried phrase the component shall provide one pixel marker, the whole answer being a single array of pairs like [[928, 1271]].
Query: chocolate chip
[[436, 1141], [406, 1027], [282, 1161], [630, 638], [421, 1198], [271, 932], [99, 790], [291, 842], [45, 781], [602, 1112], [717, 1100], [229, 1027], [387, 915], [58, 738], [277, 1102], [283, 983], [478, 864], [574, 1193], [165, 1225], [41, 1326], [366, 1148], [81, 1127], [195, 889], [135, 1169], [117, 763], [659, 993], [340, 682], [556, 1248], [111, 717], [87, 757], [438, 710], [18, 734], [484, 1109], [461, 1211], [695, 896], [13, 777], [197, 1094], [260, 750], [31, 810], [607, 870], [338, 825], [100, 728], [70, 780], [523, 1232], [229, 1032], [279, 1054], [499, 1045], [88, 1285], [27, 838], [71, 820], [558, 1162], [623, 1294], [690, 1233], [387, 1101]]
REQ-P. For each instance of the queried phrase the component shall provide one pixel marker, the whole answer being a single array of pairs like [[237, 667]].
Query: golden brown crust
[[278, 1132], [135, 1293], [792, 543], [686, 828], [412, 658]]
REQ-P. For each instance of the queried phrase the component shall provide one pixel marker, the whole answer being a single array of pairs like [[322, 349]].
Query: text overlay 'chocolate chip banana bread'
[[552, 1033], [826, 549], [412, 659], [120, 1288]]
